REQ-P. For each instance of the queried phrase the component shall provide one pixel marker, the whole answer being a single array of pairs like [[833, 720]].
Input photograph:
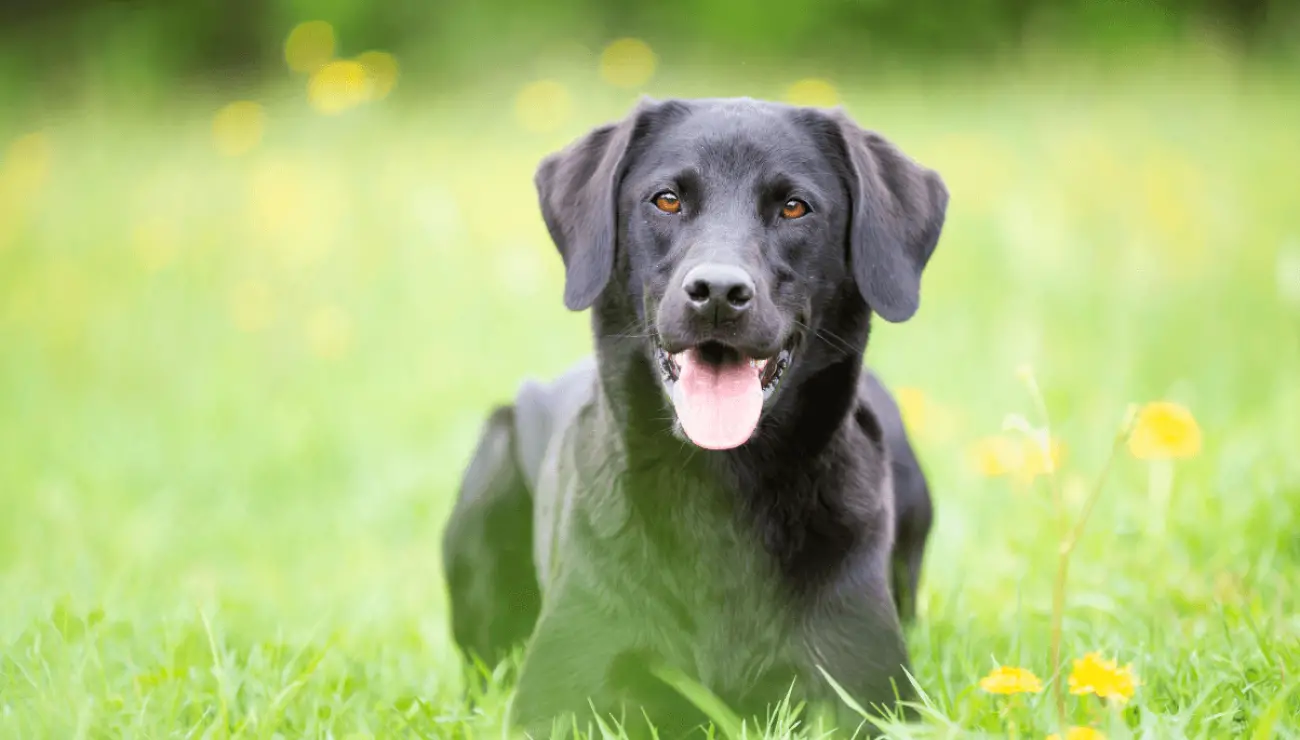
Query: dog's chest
[[693, 578], [711, 568]]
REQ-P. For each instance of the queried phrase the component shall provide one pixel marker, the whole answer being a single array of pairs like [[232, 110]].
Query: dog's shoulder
[[542, 408]]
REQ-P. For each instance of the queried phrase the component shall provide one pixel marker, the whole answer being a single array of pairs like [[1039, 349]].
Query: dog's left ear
[[898, 213], [577, 189]]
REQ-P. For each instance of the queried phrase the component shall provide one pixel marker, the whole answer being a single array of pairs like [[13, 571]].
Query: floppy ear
[[898, 213], [577, 189]]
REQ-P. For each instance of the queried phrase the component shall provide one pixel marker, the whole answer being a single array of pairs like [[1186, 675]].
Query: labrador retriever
[[722, 491]]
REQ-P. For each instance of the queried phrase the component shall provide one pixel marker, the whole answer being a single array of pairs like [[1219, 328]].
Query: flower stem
[[1160, 486], [1063, 569], [1044, 441]]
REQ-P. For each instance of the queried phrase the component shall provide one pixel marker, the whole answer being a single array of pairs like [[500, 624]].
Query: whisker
[[827, 336]]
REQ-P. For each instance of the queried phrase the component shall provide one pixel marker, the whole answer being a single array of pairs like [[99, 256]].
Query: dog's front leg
[[566, 666], [853, 634]]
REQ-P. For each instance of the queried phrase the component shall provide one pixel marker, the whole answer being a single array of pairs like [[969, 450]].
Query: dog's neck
[[816, 403]]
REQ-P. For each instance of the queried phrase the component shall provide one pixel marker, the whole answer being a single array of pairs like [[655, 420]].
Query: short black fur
[[591, 525]]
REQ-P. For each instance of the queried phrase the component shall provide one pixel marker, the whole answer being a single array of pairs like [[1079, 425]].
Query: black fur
[[591, 525]]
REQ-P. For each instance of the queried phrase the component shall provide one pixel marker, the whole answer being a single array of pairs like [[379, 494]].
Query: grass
[[236, 396]]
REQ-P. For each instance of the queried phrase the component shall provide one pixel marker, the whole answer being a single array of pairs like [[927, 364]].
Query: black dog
[[723, 491]]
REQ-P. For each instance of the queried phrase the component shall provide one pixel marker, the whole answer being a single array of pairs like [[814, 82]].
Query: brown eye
[[794, 208], [668, 202]]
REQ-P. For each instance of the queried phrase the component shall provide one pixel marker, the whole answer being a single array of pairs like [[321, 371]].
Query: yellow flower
[[1017, 455], [1079, 733], [1164, 430], [1094, 675], [1040, 459], [1008, 680]]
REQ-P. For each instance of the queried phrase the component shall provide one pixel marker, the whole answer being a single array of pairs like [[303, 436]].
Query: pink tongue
[[718, 406]]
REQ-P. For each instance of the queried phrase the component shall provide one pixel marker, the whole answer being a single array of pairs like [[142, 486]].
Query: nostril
[[740, 295], [699, 291], [723, 291]]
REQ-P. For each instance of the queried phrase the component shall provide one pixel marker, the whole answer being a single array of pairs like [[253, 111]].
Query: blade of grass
[[722, 716]]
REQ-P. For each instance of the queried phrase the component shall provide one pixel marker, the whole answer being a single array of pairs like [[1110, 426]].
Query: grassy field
[[236, 395]]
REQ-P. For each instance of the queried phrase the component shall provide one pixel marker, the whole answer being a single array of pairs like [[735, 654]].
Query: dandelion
[[1079, 733], [1093, 674], [1009, 680], [1022, 457], [993, 456], [813, 92], [628, 63], [1163, 432], [1042, 456]]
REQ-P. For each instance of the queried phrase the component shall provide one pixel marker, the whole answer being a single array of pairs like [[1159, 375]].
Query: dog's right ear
[[578, 191]]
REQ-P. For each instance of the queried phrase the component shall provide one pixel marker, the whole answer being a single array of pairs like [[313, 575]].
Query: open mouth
[[718, 392], [769, 370]]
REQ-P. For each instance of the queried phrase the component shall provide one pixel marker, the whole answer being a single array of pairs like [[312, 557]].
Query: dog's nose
[[721, 291]]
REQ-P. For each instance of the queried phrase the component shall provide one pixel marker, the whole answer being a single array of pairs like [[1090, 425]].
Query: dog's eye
[[794, 208], [668, 202]]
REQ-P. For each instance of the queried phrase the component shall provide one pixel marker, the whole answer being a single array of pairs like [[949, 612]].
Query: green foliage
[[236, 395], [74, 47]]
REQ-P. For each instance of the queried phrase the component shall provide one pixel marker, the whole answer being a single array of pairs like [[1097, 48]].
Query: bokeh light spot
[[329, 332], [382, 71], [238, 128], [912, 407], [24, 169], [813, 92], [543, 106], [276, 198], [1288, 274], [309, 46], [628, 63], [338, 86], [26, 164]]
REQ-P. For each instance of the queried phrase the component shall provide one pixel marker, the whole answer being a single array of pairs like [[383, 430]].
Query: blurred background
[[266, 264]]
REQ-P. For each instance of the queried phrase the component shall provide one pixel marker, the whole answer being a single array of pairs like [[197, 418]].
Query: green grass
[[236, 396]]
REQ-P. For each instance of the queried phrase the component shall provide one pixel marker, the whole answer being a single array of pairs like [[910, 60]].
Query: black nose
[[719, 291]]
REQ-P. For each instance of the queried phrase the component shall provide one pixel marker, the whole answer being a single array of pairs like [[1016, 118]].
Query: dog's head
[[730, 228]]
